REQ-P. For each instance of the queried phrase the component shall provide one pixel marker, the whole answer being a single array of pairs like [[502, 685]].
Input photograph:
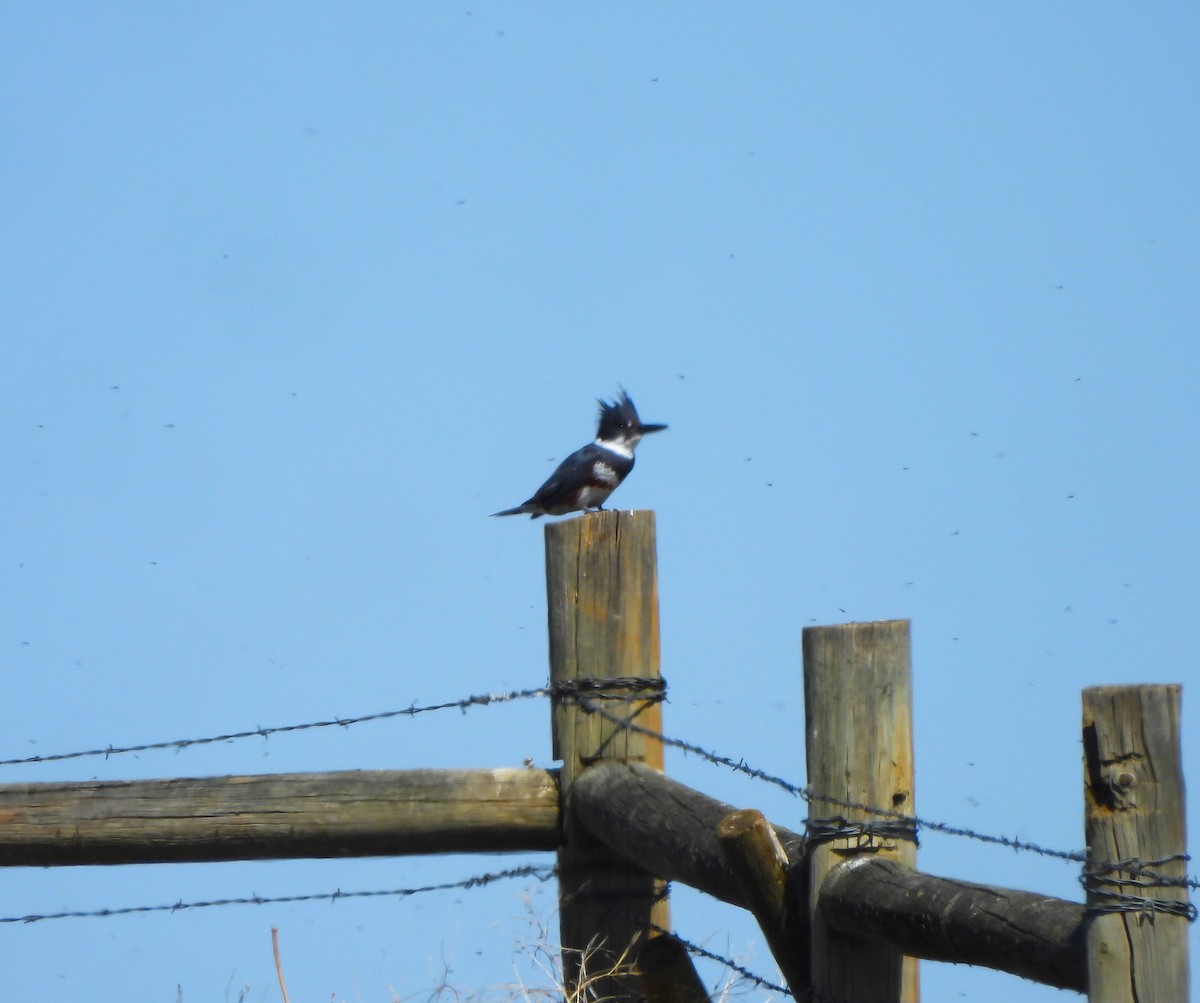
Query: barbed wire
[[810, 994], [542, 873], [720, 959], [804, 793], [585, 696], [478, 700]]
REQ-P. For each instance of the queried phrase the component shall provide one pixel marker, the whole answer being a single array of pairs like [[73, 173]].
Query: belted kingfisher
[[589, 475]]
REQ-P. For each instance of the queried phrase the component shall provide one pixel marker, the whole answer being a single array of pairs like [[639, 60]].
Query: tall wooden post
[[602, 591], [1137, 901], [858, 714]]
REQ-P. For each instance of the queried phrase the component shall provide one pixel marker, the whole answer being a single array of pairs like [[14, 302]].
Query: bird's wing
[[581, 459]]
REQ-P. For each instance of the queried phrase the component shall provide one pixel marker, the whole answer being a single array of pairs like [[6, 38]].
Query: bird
[[586, 478]]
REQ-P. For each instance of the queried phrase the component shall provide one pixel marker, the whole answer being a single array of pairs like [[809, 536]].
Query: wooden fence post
[[602, 590], [1137, 901], [858, 715]]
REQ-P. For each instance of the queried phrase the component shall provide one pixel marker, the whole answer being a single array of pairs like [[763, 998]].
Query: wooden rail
[[350, 814]]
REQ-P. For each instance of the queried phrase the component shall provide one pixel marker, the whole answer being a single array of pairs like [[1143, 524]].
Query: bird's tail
[[521, 510]]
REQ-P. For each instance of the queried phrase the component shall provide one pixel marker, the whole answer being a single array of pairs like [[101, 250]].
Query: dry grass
[[538, 975]]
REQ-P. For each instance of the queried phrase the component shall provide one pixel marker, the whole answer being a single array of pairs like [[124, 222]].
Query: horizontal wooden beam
[[348, 814], [941, 919], [667, 829]]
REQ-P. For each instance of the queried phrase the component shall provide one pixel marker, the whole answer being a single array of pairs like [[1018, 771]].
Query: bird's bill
[[647, 429]]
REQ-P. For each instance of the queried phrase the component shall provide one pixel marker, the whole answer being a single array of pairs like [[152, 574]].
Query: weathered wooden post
[[1137, 900], [602, 590], [858, 714]]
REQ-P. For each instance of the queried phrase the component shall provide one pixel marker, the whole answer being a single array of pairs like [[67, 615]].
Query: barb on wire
[[479, 700], [542, 873], [806, 794]]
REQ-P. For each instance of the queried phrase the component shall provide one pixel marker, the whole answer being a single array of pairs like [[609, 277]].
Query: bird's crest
[[616, 417]]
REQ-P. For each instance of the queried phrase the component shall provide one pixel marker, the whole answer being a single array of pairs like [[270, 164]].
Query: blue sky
[[295, 295]]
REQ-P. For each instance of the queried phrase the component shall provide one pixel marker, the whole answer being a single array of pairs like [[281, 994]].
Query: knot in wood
[[1120, 785]]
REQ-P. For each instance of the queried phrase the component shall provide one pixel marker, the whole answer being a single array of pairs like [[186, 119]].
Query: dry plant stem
[[278, 964]]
